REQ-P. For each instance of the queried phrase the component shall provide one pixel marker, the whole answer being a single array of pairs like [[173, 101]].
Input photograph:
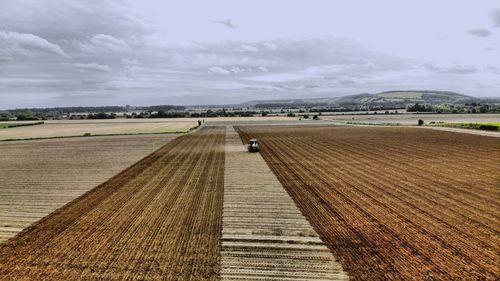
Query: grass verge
[[6, 126]]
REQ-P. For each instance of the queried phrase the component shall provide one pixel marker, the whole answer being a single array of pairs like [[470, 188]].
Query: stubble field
[[394, 203], [71, 128]]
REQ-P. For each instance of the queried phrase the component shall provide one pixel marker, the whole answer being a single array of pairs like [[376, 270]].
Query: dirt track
[[158, 219], [394, 203]]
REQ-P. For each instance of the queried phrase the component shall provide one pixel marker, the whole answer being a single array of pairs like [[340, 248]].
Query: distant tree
[[5, 116], [419, 108]]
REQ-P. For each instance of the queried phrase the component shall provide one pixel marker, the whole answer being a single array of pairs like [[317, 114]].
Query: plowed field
[[394, 203], [39, 176], [158, 219]]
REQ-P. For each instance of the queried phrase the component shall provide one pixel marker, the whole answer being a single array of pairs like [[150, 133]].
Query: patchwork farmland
[[317, 203]]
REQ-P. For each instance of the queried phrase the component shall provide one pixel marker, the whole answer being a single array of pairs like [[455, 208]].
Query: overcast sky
[[117, 52]]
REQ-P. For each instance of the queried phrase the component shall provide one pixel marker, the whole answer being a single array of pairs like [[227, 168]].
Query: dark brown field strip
[[159, 219], [383, 203]]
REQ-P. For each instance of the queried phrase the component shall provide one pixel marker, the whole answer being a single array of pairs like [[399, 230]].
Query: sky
[[118, 52]]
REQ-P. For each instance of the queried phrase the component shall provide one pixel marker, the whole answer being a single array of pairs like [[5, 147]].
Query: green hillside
[[389, 98]]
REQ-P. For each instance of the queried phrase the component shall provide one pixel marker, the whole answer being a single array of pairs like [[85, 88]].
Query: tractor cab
[[253, 145]]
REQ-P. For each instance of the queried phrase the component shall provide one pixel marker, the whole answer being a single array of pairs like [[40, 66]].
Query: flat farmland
[[39, 176], [68, 128], [411, 119], [159, 219], [394, 203]]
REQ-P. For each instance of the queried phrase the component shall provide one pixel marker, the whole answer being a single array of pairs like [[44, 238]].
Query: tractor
[[253, 145]]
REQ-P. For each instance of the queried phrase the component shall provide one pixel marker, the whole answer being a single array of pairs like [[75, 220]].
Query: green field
[[487, 126], [5, 126]]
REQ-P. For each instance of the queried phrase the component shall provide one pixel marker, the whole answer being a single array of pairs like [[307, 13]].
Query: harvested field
[[68, 128], [37, 177], [394, 203], [158, 219]]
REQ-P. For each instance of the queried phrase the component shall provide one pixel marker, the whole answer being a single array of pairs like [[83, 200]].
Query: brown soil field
[[264, 234], [39, 176], [67, 128], [394, 203], [159, 219]]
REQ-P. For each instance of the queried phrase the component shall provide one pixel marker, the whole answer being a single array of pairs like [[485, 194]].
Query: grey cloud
[[495, 16], [480, 32], [103, 43], [78, 97], [109, 53], [491, 69], [227, 22], [27, 44], [57, 20], [456, 69]]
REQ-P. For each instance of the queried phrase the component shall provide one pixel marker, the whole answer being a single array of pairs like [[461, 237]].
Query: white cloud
[[27, 44], [218, 70], [270, 46], [263, 68], [237, 70], [130, 61], [92, 67], [248, 48]]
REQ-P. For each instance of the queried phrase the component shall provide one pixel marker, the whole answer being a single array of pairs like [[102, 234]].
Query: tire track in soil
[[264, 235]]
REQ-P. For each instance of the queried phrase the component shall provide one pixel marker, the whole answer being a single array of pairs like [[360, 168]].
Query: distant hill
[[389, 98]]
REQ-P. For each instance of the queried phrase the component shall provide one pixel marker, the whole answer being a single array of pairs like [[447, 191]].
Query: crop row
[[394, 203], [158, 219]]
